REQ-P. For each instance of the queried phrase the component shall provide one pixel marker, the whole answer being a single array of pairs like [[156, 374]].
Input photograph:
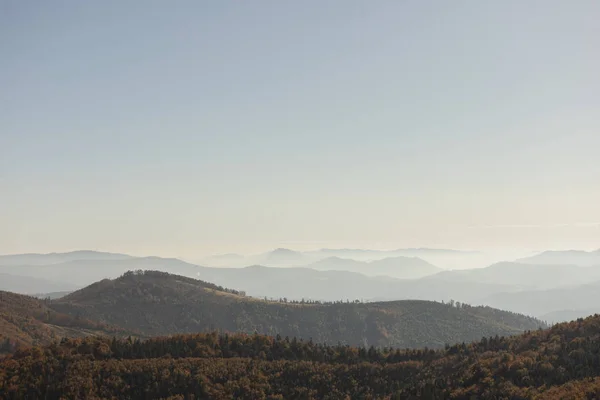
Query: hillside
[[156, 303], [559, 363], [25, 320]]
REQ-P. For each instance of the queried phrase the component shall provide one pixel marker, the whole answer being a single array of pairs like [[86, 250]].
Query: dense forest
[[158, 303], [559, 363]]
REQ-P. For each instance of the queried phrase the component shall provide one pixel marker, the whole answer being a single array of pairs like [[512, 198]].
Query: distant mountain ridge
[[397, 267], [524, 275], [284, 257], [568, 257], [31, 284], [405, 251], [333, 279], [55, 258], [559, 316], [543, 302], [260, 281]]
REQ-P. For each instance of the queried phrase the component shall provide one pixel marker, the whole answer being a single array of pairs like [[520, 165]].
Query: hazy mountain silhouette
[[30, 285], [301, 282], [476, 286], [543, 302], [291, 282], [226, 260], [280, 258], [443, 258], [569, 315], [409, 252], [55, 258], [83, 272], [524, 275], [396, 267], [573, 257]]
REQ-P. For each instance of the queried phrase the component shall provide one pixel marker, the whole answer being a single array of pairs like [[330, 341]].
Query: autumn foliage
[[559, 363]]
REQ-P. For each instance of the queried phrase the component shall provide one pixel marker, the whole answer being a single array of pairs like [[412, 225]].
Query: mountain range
[[504, 285], [271, 282], [283, 257]]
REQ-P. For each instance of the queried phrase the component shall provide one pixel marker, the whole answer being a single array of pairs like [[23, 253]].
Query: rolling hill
[[156, 303]]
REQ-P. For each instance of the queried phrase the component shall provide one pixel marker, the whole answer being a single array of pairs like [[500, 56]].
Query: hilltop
[[158, 303], [559, 363]]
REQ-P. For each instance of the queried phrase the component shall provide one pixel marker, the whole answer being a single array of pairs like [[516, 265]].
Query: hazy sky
[[189, 127]]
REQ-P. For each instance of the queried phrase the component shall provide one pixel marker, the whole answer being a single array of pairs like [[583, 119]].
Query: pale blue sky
[[189, 127]]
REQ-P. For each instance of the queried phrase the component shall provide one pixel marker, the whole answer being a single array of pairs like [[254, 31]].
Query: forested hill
[[559, 363], [157, 303], [26, 321]]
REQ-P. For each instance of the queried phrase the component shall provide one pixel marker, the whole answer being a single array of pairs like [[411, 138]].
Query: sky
[[195, 127]]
